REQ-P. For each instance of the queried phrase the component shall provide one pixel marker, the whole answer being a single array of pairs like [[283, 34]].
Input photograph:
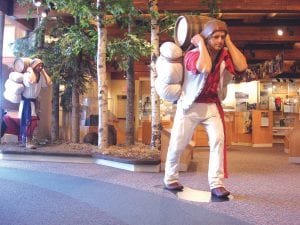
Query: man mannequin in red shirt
[[206, 68]]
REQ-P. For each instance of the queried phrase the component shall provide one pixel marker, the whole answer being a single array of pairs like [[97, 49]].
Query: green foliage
[[76, 48], [77, 8], [72, 55], [119, 50], [23, 47], [123, 12], [167, 23], [214, 9]]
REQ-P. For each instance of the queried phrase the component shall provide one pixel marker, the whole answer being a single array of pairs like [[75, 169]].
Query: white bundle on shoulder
[[12, 97], [169, 70], [14, 87], [170, 50], [16, 77], [169, 92]]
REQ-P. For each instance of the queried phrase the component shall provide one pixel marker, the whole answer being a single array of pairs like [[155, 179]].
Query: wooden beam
[[23, 24], [264, 33], [246, 34], [263, 55], [23, 12], [225, 6], [228, 6]]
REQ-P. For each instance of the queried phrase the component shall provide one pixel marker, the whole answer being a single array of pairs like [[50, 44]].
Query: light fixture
[[279, 32], [45, 13], [37, 3]]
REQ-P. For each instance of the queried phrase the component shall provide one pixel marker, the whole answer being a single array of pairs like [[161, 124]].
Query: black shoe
[[220, 192], [174, 186]]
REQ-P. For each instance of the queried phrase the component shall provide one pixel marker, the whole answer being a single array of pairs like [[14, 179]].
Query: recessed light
[[279, 32]]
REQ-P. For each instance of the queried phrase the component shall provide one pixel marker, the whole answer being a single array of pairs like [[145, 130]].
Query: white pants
[[183, 128]]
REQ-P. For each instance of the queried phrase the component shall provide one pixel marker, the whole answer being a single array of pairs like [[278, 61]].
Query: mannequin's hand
[[227, 40], [197, 40], [31, 76]]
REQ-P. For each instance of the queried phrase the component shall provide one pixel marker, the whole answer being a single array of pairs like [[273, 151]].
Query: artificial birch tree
[[101, 75], [155, 100]]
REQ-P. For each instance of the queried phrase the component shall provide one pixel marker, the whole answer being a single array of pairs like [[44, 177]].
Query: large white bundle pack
[[16, 77], [169, 64], [169, 72], [170, 50], [169, 92], [12, 97], [14, 87]]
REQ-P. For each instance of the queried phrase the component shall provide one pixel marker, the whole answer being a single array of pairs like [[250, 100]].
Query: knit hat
[[36, 62], [212, 26]]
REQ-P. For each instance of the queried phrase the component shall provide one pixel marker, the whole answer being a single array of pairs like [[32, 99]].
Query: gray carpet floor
[[266, 190]]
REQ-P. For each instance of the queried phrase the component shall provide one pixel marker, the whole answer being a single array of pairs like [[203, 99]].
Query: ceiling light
[[37, 3], [279, 32], [45, 13]]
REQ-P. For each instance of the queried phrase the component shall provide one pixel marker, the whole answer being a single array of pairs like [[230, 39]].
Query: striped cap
[[212, 26]]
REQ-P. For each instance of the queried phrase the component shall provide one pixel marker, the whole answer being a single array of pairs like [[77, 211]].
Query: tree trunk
[[102, 79], [155, 101], [130, 103], [130, 96], [75, 116], [66, 125], [55, 112]]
